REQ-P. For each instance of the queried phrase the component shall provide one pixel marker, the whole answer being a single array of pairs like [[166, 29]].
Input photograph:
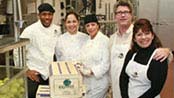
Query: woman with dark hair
[[95, 59], [69, 43], [142, 76]]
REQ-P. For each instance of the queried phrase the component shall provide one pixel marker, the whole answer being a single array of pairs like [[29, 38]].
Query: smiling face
[[123, 16], [92, 28], [72, 24], [143, 38], [46, 18]]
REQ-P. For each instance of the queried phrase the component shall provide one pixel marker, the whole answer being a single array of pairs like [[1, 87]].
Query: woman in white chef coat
[[95, 59], [69, 43]]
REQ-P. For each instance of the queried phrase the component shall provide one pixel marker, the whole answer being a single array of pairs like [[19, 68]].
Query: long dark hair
[[144, 25]]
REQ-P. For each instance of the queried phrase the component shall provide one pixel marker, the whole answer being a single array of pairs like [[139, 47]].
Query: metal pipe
[[106, 11], [17, 25], [19, 9], [15, 19], [109, 12]]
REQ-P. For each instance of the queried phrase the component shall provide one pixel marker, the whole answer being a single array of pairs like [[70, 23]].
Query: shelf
[[8, 43]]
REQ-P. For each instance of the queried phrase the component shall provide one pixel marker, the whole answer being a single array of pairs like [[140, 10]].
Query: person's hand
[[83, 70], [86, 72], [33, 75], [161, 54]]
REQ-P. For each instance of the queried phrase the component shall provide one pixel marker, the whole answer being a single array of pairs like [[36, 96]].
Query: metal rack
[[7, 44]]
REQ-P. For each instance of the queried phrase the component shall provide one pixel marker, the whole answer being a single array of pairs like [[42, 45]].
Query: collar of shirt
[[50, 31], [41, 25], [72, 35], [129, 31], [97, 36]]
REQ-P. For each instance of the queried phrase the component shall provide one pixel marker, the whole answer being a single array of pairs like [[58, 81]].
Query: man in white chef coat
[[40, 51]]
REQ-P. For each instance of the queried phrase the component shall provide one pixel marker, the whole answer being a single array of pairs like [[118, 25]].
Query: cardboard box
[[43, 91], [65, 80]]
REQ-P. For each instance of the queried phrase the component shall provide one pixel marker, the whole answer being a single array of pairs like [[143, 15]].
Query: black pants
[[32, 86]]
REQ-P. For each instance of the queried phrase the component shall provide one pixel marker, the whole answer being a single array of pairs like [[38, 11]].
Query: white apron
[[118, 53], [119, 46], [138, 81]]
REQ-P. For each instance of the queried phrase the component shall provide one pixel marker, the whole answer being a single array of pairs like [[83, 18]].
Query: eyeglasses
[[122, 12]]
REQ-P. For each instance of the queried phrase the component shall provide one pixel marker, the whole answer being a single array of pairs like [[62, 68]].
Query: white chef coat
[[138, 81], [95, 55], [40, 51], [119, 46], [69, 45]]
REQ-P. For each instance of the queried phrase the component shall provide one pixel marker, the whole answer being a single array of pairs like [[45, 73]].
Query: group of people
[[131, 60]]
